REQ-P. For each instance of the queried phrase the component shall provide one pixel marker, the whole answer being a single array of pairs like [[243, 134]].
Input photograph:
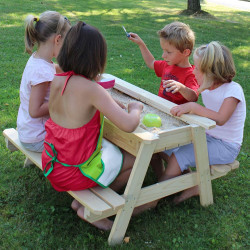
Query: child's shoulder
[[38, 64], [232, 86]]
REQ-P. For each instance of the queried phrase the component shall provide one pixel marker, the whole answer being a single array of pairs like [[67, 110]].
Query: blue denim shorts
[[219, 152], [35, 147]]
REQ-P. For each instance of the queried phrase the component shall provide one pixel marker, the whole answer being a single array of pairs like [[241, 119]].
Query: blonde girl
[[47, 32], [224, 103]]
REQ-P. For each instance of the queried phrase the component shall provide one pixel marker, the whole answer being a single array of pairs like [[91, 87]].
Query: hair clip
[[66, 19]]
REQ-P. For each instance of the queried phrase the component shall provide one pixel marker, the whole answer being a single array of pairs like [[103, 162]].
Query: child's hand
[[181, 109], [135, 38], [172, 86], [120, 104], [135, 106]]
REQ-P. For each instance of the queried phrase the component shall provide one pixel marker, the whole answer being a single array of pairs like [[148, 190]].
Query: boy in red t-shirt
[[178, 83]]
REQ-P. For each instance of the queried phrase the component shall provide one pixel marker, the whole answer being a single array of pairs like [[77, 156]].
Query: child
[[48, 32], [178, 83], [224, 103], [76, 157]]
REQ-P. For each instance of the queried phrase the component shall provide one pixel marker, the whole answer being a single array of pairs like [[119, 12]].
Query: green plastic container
[[151, 120]]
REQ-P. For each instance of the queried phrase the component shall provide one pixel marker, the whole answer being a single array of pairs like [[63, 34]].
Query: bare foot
[[145, 207], [103, 224], [75, 205], [188, 193]]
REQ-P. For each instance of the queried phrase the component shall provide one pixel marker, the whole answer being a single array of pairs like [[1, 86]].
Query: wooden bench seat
[[221, 170], [98, 202], [101, 203]]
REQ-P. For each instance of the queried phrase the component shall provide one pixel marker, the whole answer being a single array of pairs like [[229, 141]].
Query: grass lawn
[[34, 216]]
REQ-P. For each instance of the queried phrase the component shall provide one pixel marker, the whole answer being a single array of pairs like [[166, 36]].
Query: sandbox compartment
[[144, 142]]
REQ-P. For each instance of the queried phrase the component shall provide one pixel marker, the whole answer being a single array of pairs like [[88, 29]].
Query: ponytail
[[39, 29], [30, 33]]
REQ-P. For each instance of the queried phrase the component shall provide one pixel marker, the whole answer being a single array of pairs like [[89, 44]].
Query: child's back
[[77, 105]]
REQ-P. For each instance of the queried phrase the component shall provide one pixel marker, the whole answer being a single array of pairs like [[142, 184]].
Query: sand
[[168, 122]]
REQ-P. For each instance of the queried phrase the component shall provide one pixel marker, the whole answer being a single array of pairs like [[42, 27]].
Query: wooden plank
[[202, 165], [27, 162], [108, 195], [165, 188], [132, 192], [91, 217], [219, 170], [85, 197], [158, 102], [130, 142], [10, 146], [174, 138], [91, 201], [12, 135]]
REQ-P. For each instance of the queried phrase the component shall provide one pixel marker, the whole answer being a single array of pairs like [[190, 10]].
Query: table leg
[[132, 192], [202, 165]]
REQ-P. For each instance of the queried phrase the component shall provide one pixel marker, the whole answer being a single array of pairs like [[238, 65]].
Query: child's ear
[[58, 38], [187, 52]]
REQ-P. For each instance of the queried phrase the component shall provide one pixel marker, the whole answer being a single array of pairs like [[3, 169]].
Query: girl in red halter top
[[76, 157]]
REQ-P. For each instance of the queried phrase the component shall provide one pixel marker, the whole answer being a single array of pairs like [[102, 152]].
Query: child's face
[[198, 74], [171, 54]]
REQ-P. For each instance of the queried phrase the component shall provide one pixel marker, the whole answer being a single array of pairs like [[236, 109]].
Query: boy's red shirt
[[173, 72]]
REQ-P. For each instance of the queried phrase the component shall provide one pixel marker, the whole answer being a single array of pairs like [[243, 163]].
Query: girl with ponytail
[[47, 33]]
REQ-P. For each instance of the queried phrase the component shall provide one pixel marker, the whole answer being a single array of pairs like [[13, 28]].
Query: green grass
[[34, 216]]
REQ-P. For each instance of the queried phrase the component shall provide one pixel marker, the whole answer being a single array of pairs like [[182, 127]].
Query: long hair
[[39, 29], [216, 63], [84, 51]]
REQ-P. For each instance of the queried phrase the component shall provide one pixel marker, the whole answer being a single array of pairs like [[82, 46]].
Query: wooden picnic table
[[101, 203], [143, 144]]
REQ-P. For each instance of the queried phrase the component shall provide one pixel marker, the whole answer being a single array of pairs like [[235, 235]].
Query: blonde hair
[[179, 35], [216, 63], [49, 23]]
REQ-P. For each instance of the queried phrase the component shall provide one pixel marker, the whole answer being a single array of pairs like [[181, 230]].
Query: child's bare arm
[[146, 54], [221, 117], [174, 87], [126, 121], [37, 106]]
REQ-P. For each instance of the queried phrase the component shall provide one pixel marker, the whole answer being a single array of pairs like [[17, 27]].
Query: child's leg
[[103, 224], [219, 152], [186, 194], [171, 171], [157, 165], [118, 183], [75, 205], [35, 147], [122, 178]]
